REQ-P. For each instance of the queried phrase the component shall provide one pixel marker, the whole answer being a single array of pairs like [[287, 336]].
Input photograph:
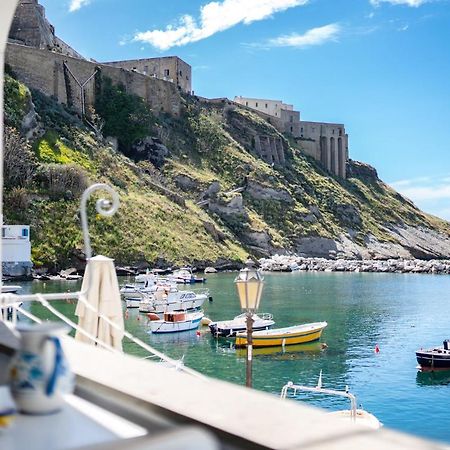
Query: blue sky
[[382, 67]]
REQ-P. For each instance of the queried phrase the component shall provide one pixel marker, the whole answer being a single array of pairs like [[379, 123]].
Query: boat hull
[[133, 303], [276, 338], [10, 289], [431, 359], [161, 326]]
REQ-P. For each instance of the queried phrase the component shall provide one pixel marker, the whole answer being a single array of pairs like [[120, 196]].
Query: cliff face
[[196, 189]]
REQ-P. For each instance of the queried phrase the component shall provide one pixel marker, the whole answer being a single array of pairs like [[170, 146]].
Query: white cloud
[[314, 36], [412, 3], [77, 4], [421, 193], [431, 194], [409, 182], [214, 17]]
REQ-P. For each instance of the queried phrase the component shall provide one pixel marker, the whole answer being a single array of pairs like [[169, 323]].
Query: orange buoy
[[377, 349]]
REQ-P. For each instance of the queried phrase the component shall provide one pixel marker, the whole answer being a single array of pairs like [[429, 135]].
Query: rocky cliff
[[195, 188]]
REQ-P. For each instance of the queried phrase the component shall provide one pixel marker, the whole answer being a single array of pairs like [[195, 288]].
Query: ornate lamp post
[[249, 284]]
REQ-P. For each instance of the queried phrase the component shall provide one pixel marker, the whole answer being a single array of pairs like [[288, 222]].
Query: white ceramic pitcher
[[40, 375]]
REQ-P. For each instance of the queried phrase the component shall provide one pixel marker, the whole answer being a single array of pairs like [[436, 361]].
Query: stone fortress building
[[43, 61], [168, 68], [325, 142], [31, 29]]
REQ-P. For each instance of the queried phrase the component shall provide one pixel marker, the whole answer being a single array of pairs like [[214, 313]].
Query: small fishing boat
[[229, 328], [177, 321], [133, 302], [184, 275], [435, 358], [10, 289], [73, 277], [354, 414], [298, 334]]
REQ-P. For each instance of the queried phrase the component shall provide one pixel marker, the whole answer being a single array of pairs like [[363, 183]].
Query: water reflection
[[436, 377], [298, 350]]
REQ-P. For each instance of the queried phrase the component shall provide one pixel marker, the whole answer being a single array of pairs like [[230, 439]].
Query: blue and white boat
[[177, 321]]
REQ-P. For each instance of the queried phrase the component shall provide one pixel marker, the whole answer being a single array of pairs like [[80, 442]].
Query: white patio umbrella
[[102, 292]]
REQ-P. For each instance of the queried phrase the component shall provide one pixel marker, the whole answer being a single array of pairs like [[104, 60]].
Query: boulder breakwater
[[291, 263]]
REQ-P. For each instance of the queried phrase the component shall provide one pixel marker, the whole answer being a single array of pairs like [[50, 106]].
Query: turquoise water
[[400, 313]]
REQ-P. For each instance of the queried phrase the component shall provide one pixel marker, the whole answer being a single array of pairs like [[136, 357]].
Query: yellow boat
[[298, 334]]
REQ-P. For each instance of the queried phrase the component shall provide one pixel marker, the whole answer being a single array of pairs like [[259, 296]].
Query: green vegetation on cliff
[[210, 152]]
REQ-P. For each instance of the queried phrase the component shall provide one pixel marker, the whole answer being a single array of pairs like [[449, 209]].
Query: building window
[[340, 131], [181, 73], [313, 129], [292, 129], [3, 232], [25, 232], [291, 119], [267, 105], [246, 103], [333, 130], [256, 104], [145, 70], [301, 130], [276, 114], [166, 72]]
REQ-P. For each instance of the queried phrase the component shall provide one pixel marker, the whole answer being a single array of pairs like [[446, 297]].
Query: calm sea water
[[400, 313]]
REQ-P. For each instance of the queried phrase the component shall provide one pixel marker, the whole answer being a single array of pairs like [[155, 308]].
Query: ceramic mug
[[40, 375]]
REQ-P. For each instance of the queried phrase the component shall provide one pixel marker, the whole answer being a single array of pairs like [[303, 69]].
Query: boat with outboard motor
[[177, 321], [297, 334], [354, 414], [435, 358], [229, 328]]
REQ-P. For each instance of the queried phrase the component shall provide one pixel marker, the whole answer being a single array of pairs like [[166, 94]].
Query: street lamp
[[249, 284]]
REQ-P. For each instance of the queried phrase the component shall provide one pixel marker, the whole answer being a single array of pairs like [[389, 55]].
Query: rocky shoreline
[[290, 263]]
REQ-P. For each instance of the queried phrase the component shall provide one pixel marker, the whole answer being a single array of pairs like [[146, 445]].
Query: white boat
[[354, 414], [184, 275], [151, 285], [133, 302], [160, 302], [177, 321], [73, 277], [10, 289], [229, 328]]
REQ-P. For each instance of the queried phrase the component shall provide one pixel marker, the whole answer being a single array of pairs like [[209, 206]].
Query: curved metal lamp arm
[[104, 207]]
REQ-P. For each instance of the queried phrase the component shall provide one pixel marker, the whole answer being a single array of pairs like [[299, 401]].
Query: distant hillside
[[165, 165]]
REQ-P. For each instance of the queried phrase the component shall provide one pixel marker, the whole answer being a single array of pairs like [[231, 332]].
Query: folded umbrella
[[100, 289]]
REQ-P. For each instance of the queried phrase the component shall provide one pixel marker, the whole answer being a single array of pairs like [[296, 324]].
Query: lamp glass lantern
[[249, 284]]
